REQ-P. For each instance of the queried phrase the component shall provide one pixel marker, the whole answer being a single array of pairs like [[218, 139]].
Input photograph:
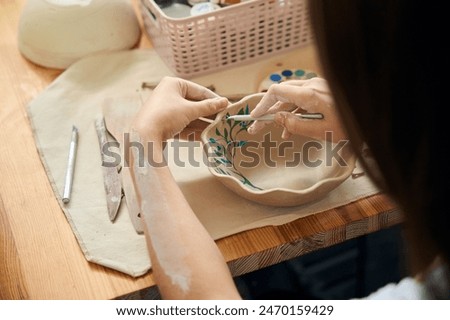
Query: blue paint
[[275, 77], [287, 73]]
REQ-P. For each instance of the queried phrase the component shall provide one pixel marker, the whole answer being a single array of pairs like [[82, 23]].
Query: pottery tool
[[111, 177], [70, 165], [117, 120], [271, 117]]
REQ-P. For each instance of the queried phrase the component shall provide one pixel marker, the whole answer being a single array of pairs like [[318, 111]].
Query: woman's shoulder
[[407, 289], [434, 286]]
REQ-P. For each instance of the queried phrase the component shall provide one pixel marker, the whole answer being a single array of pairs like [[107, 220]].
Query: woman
[[386, 90]]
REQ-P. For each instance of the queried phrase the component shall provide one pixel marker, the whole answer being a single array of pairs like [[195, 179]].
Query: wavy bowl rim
[[308, 190]]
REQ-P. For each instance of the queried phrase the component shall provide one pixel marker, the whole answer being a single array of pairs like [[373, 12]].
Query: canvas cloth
[[76, 98]]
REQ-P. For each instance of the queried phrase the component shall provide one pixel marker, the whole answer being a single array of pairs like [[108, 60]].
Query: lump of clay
[[56, 33]]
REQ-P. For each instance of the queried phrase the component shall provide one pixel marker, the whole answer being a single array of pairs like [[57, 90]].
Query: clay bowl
[[267, 169]]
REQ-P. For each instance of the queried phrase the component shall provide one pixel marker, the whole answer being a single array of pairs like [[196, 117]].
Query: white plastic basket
[[227, 37]]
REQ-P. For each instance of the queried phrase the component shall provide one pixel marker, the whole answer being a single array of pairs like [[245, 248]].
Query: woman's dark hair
[[387, 66]]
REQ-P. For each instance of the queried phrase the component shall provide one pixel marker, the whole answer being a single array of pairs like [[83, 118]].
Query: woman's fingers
[[184, 88], [206, 107], [303, 97], [196, 92], [282, 93], [316, 129], [277, 107]]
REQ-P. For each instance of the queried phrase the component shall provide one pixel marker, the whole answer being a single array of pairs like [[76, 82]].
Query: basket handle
[[150, 14]]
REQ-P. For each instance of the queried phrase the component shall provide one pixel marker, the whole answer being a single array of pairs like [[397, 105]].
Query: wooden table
[[39, 255]]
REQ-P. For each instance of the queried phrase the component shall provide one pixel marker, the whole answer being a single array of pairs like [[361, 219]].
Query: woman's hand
[[173, 104], [301, 96], [186, 262]]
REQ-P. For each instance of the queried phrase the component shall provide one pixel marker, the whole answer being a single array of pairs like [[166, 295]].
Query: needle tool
[[271, 117], [70, 165]]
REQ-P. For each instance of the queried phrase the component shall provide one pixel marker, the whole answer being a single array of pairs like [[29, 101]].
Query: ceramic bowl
[[267, 169], [57, 33]]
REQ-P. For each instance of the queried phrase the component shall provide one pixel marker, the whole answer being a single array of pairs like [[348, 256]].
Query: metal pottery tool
[[111, 177], [70, 165], [271, 117]]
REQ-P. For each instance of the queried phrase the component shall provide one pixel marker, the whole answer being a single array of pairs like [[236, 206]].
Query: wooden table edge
[[381, 215]]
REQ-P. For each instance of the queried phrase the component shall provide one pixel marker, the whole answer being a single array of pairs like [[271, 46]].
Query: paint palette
[[285, 75]]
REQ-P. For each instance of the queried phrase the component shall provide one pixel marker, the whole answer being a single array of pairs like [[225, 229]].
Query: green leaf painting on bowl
[[224, 146]]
